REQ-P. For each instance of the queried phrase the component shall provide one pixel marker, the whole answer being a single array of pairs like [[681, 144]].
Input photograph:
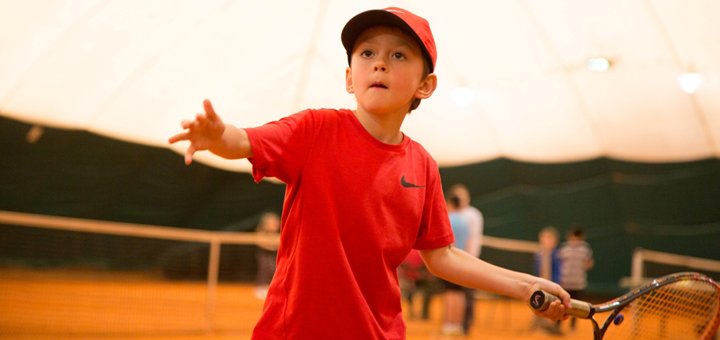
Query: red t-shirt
[[354, 207]]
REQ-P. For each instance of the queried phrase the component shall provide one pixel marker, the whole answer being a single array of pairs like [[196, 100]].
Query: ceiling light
[[690, 81], [598, 64]]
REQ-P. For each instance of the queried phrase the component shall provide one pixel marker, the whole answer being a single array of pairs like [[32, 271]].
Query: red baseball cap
[[415, 26]]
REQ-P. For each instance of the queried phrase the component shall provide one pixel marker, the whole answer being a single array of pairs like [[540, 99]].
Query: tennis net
[[76, 277], [650, 264], [70, 276]]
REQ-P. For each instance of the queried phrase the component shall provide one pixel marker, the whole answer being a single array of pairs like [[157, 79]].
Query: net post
[[212, 282], [636, 275]]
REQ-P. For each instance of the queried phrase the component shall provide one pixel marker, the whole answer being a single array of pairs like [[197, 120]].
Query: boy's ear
[[427, 87], [348, 81]]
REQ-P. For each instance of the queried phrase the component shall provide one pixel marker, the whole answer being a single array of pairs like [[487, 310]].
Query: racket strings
[[687, 309]]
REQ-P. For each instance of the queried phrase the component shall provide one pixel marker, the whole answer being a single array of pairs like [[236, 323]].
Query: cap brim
[[377, 17]]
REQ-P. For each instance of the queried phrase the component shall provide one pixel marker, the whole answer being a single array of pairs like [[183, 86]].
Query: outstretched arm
[[208, 132], [457, 266]]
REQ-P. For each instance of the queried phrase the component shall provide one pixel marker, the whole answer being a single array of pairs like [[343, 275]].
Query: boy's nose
[[380, 65]]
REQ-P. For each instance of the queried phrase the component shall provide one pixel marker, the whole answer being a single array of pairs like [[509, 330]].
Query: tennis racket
[[676, 306]]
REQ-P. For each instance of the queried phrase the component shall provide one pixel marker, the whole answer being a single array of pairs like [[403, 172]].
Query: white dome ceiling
[[512, 75]]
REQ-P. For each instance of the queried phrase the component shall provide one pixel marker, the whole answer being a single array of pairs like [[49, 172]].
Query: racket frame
[[540, 300]]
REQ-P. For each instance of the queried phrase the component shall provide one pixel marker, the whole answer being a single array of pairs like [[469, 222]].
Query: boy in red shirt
[[360, 194]]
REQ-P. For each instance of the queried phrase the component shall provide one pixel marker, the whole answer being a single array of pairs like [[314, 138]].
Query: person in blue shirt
[[454, 296]]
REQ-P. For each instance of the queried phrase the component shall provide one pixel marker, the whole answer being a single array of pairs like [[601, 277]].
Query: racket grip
[[541, 300]]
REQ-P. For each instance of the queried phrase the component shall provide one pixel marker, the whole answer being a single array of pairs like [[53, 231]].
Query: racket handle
[[541, 300]]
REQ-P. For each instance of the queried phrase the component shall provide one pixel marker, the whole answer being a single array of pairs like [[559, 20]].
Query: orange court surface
[[81, 304]]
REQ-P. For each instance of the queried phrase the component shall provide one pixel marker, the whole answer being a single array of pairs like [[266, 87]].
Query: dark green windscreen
[[623, 205]]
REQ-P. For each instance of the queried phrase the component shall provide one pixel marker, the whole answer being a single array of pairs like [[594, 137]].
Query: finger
[[560, 310], [178, 137], [201, 118], [562, 315], [209, 110], [185, 124], [554, 311], [189, 154], [565, 297]]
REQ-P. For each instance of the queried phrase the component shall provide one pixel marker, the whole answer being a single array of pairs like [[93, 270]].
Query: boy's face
[[386, 72]]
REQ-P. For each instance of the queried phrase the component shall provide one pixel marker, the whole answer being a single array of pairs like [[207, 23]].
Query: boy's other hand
[[556, 310], [203, 133]]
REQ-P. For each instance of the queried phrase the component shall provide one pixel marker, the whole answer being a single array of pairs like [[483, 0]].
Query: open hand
[[204, 132]]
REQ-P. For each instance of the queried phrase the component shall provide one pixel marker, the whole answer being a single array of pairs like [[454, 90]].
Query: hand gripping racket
[[676, 306]]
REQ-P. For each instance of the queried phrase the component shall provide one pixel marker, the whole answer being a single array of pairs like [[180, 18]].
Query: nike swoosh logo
[[407, 184]]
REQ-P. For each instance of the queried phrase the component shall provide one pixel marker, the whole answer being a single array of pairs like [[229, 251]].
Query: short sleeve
[[279, 147], [435, 230]]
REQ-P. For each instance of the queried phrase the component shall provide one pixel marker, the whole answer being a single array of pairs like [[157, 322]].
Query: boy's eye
[[366, 53], [398, 55]]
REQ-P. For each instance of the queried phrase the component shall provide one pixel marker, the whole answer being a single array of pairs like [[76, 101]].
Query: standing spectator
[[415, 278], [546, 259], [475, 221], [547, 266], [268, 231], [576, 258], [454, 295]]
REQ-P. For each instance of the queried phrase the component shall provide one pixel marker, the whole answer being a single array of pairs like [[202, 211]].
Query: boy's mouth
[[378, 85]]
